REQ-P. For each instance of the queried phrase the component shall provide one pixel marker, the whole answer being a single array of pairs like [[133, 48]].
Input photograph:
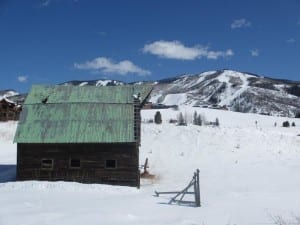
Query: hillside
[[248, 175], [239, 92], [232, 90]]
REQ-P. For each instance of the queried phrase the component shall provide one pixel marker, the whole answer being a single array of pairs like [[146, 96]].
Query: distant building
[[85, 134], [148, 105], [9, 110]]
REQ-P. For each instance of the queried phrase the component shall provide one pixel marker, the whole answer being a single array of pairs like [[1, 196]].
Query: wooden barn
[[85, 134], [9, 110]]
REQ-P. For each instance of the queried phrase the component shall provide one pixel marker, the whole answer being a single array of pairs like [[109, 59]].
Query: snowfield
[[249, 174]]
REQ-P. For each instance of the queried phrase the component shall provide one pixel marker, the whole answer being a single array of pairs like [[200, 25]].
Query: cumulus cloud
[[176, 50], [22, 79], [240, 23], [254, 52], [107, 65]]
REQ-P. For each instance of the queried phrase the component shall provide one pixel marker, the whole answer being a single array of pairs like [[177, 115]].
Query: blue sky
[[52, 41]]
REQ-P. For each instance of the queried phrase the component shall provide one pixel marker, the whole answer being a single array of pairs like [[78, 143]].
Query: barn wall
[[92, 156]]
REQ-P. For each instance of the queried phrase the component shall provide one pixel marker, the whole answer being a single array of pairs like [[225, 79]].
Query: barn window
[[47, 164], [111, 164], [74, 163]]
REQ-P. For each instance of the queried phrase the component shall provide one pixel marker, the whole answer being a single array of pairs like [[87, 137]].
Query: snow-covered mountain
[[235, 91], [228, 89], [13, 96], [7, 93], [94, 83]]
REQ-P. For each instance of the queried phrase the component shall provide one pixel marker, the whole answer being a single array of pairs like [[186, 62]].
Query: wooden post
[[197, 189]]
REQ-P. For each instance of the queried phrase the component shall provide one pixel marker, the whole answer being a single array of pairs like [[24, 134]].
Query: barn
[[85, 134]]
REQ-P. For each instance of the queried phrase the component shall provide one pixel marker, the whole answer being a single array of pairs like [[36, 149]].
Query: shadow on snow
[[7, 173]]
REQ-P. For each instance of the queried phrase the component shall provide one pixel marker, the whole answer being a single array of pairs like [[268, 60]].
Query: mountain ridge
[[228, 89]]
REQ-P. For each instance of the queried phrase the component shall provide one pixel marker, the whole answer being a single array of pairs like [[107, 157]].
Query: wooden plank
[[92, 167]]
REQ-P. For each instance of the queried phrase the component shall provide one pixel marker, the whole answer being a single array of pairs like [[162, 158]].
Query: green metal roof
[[79, 115], [91, 94]]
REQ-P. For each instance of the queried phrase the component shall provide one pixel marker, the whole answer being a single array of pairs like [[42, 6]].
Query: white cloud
[[291, 41], [22, 79], [107, 65], [254, 52], [240, 23], [176, 50], [217, 54]]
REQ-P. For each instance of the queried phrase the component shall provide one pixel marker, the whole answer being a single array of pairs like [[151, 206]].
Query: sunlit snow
[[249, 174]]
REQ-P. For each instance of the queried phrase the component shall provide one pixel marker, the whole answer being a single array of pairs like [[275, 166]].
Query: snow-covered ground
[[249, 174]]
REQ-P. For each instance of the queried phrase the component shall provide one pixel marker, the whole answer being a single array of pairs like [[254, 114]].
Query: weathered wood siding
[[92, 157]]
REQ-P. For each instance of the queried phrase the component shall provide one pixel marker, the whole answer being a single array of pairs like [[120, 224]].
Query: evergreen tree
[[199, 120], [157, 118], [195, 118], [181, 120], [286, 124], [217, 122], [293, 124]]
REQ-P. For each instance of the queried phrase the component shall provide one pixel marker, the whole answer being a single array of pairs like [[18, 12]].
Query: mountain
[[94, 83], [227, 89], [13, 96], [7, 93], [236, 91]]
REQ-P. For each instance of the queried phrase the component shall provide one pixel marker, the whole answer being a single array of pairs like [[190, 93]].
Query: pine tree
[[199, 120], [195, 118], [286, 124], [181, 120], [157, 118], [217, 122]]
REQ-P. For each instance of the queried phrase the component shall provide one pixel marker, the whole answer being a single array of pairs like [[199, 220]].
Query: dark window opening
[[110, 164], [47, 164], [74, 163]]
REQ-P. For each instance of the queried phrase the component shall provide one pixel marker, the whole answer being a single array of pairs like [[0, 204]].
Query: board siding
[[92, 158]]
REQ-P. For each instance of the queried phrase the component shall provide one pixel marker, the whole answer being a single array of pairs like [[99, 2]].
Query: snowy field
[[249, 174]]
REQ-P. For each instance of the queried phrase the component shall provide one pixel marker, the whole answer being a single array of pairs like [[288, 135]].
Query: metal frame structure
[[178, 198]]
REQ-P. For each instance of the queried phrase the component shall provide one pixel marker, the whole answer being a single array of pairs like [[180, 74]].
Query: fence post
[[197, 191]]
